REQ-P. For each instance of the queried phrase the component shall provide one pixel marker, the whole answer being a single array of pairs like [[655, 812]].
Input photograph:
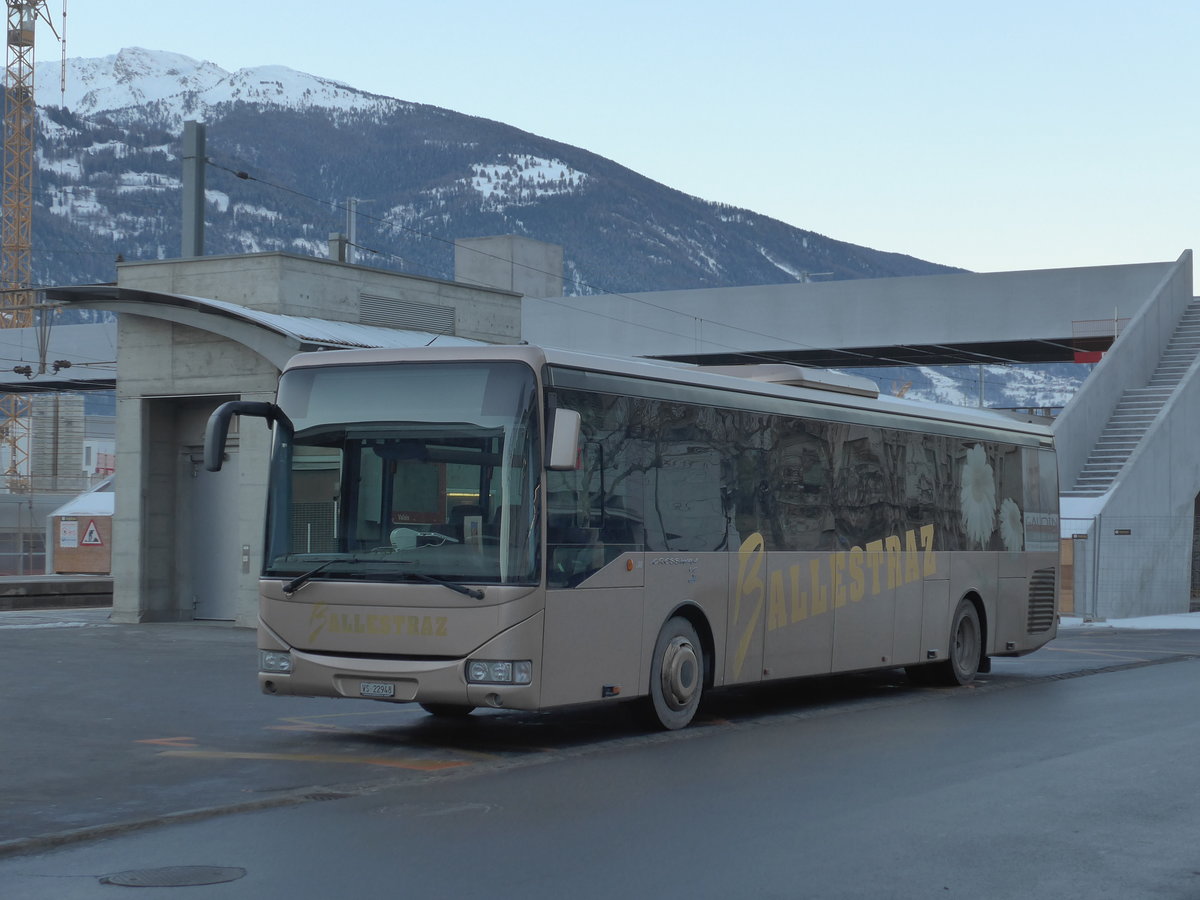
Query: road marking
[[311, 723], [414, 764], [1112, 652], [171, 742]]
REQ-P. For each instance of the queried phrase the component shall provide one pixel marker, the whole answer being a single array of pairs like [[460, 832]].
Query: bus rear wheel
[[676, 675], [966, 648]]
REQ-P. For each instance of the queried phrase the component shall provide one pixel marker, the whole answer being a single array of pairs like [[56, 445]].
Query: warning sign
[[91, 537]]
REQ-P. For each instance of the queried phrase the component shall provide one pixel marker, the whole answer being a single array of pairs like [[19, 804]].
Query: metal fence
[[1127, 566]]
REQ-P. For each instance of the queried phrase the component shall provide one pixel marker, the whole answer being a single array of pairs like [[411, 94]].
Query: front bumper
[[316, 674]]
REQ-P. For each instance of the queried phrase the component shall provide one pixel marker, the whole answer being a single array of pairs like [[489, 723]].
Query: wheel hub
[[680, 673], [966, 644]]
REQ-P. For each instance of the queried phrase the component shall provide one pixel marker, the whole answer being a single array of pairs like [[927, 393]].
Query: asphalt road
[[111, 731]]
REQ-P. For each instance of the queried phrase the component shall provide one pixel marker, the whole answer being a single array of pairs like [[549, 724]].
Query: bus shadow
[[505, 734]]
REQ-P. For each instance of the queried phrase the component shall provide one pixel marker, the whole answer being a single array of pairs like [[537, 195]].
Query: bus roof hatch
[[799, 376]]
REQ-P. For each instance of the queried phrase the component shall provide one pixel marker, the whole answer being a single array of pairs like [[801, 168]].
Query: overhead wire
[[850, 355]]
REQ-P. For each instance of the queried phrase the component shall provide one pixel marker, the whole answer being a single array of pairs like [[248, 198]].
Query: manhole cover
[[175, 876]]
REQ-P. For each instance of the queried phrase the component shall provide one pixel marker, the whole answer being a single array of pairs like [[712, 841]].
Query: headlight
[[500, 671], [274, 661]]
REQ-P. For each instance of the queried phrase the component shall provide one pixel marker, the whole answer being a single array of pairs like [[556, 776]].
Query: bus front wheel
[[676, 675]]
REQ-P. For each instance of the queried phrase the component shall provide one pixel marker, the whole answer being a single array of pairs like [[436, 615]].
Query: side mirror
[[217, 430], [565, 428]]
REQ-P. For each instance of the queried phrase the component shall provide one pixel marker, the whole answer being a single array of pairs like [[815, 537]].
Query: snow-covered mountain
[[109, 185], [180, 87]]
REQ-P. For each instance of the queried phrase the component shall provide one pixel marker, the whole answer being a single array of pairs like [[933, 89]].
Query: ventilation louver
[[392, 313], [1042, 604]]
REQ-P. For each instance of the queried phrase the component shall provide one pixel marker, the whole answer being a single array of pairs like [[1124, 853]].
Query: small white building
[[79, 534]]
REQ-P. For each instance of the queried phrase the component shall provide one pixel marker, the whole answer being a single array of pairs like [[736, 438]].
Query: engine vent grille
[[1042, 596]]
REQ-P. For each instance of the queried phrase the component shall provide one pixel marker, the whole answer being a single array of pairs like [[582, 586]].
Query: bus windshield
[[407, 471]]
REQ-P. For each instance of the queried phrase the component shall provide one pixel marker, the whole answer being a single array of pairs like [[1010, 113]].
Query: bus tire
[[965, 648], [447, 710], [676, 675]]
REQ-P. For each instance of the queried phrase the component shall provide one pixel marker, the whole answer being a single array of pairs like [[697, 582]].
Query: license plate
[[377, 689]]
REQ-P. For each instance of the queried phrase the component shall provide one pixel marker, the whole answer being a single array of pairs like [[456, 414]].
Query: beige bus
[[523, 528]]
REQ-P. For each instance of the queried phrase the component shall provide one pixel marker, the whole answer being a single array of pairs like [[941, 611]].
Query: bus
[[513, 527]]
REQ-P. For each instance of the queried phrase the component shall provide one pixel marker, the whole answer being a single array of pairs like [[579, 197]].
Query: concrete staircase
[[1138, 408]]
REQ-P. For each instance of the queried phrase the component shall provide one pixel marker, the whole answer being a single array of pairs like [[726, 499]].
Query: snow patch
[[522, 180], [799, 274], [261, 212]]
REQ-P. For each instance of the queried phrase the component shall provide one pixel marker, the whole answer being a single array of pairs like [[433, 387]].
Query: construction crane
[[16, 209], [20, 111]]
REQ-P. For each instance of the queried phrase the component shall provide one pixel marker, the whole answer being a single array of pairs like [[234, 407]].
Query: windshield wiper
[[296, 583], [473, 593]]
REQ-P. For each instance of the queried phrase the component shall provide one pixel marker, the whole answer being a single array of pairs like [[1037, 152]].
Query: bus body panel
[[592, 647], [745, 614], [1008, 617], [909, 616], [1018, 621], [389, 619], [674, 580], [798, 620], [937, 606]]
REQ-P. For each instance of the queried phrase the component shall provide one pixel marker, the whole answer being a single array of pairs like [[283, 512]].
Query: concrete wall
[[1137, 560], [860, 313], [513, 263], [325, 289], [1148, 570], [162, 367], [1129, 363]]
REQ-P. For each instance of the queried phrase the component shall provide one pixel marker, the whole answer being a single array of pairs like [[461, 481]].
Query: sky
[[1022, 135]]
